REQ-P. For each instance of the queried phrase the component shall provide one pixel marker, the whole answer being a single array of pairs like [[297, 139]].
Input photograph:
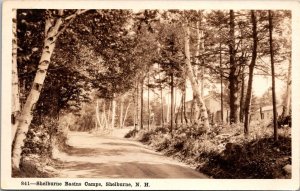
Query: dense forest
[[180, 81]]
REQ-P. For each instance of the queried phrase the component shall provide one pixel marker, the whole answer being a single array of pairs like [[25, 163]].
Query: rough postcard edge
[[158, 184]]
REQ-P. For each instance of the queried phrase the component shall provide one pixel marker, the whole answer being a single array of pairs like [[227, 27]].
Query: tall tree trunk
[[184, 105], [196, 90], [16, 107], [194, 111], [227, 116], [168, 111], [175, 98], [148, 101], [273, 75], [105, 116], [242, 76], [98, 123], [25, 118], [287, 101], [233, 80], [137, 125], [161, 102], [135, 106], [125, 116], [172, 102], [200, 50], [109, 114], [162, 107], [199, 75], [181, 108], [142, 104], [251, 69], [121, 112], [242, 97], [221, 76], [113, 111]]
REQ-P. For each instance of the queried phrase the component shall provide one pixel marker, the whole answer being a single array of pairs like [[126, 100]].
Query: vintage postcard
[[150, 95]]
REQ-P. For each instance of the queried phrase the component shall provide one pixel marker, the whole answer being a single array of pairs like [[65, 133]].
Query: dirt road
[[98, 156]]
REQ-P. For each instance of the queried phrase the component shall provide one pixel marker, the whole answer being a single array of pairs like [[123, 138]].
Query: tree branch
[[78, 12], [70, 19]]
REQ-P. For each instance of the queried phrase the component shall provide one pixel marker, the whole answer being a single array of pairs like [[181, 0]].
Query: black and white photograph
[[149, 97]]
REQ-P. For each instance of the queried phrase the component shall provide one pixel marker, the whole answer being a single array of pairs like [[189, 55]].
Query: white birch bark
[[192, 78], [121, 113], [138, 112], [113, 112], [134, 108], [125, 115], [199, 74], [52, 29], [105, 116], [15, 80], [168, 112], [288, 92], [98, 124]]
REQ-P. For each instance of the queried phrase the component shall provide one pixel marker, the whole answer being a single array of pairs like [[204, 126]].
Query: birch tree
[[15, 79], [199, 75], [125, 115], [55, 24], [287, 46], [97, 121], [121, 112], [196, 90], [113, 111], [287, 101]]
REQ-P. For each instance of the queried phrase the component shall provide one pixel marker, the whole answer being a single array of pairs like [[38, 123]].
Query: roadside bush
[[225, 152], [177, 143], [131, 133], [37, 151], [84, 123], [256, 159], [41, 139], [60, 137], [161, 142], [161, 130], [144, 136], [38, 141]]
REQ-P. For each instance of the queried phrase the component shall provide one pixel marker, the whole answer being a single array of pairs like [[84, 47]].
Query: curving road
[[98, 156]]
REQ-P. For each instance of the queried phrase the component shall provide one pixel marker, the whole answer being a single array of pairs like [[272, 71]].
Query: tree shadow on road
[[133, 169], [121, 144], [81, 152], [86, 152]]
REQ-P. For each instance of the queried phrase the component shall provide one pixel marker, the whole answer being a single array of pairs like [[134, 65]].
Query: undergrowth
[[224, 152], [36, 160]]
